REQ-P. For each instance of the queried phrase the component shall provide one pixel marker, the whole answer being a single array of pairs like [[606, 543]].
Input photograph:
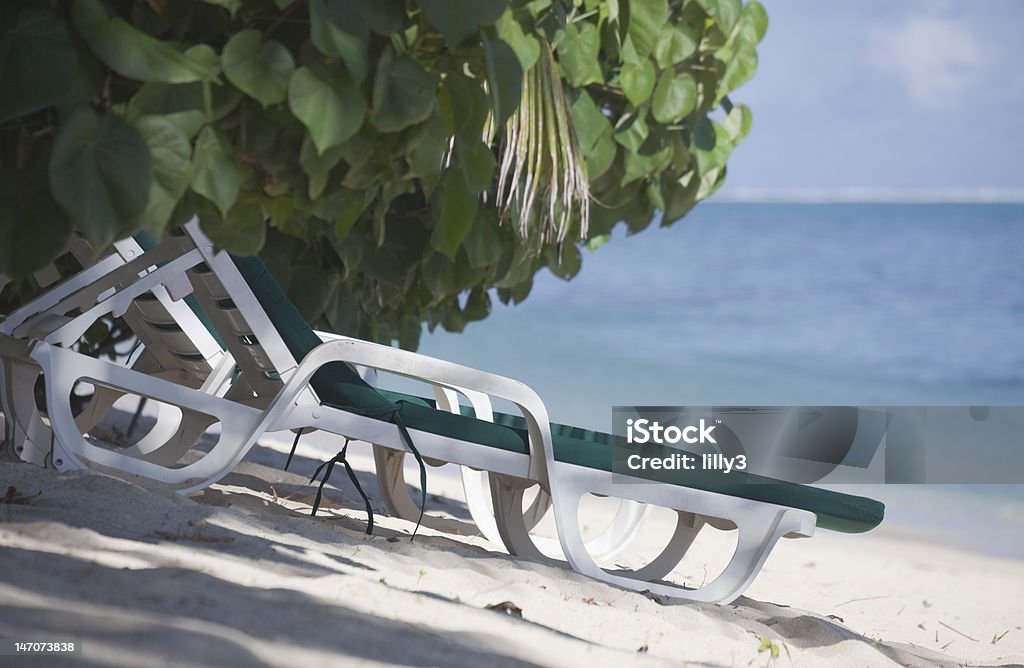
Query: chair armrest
[[479, 400], [437, 372]]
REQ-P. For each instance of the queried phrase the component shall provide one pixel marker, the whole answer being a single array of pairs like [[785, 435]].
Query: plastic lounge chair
[[763, 513], [177, 348], [517, 456], [164, 329]]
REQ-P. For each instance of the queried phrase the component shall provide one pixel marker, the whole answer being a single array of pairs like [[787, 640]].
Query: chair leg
[[103, 399], [390, 465], [624, 527], [760, 526], [507, 497], [185, 430], [29, 438], [240, 425], [688, 526], [476, 486]]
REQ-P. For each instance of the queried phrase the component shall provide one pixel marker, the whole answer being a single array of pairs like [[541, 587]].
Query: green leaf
[[593, 132], [261, 71], [588, 122], [682, 196], [463, 106], [341, 209], [132, 53], [526, 47], [183, 104], [631, 131], [85, 86], [403, 93], [343, 310], [279, 210], [737, 123], [753, 23], [567, 263], [171, 153], [504, 79], [332, 109], [639, 165], [427, 149], [740, 69], [675, 44], [33, 229], [596, 242], [383, 16], [314, 163], [438, 273], [37, 63], [711, 146], [483, 243], [647, 18], [674, 97], [458, 19], [100, 174], [477, 164], [231, 5], [456, 207], [600, 158], [637, 80], [216, 175], [725, 13], [577, 55], [242, 232], [338, 28]]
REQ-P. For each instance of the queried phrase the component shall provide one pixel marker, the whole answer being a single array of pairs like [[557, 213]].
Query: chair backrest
[[172, 332], [263, 330]]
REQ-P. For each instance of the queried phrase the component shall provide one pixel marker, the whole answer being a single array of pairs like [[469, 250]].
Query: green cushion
[[339, 385], [598, 450]]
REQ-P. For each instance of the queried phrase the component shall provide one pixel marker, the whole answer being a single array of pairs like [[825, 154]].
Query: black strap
[[340, 457], [392, 414], [291, 454], [404, 431]]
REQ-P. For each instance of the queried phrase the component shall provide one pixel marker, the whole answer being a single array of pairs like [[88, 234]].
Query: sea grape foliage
[[395, 162]]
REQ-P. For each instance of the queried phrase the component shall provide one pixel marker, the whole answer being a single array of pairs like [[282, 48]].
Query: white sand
[[144, 577]]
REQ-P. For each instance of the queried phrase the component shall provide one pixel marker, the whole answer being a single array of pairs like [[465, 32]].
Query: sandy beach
[[241, 575]]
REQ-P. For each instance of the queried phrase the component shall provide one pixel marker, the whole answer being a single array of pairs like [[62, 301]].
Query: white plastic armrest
[[434, 371]]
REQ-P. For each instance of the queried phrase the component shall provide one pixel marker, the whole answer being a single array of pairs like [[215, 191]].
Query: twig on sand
[[14, 497], [958, 632], [857, 600], [507, 607], [997, 638]]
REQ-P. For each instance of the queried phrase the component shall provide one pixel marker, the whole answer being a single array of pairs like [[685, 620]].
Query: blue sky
[[916, 94]]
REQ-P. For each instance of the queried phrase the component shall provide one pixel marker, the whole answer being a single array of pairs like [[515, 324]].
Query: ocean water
[[817, 304], [774, 304]]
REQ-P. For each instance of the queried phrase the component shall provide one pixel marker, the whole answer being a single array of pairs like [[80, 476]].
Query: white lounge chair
[[186, 351], [320, 391]]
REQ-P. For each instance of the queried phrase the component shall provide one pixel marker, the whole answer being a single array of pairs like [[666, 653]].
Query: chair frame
[[39, 344]]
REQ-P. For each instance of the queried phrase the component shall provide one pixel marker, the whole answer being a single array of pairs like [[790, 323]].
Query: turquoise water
[[919, 304]]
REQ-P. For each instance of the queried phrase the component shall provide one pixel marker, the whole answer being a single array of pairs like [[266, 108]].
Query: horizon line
[[865, 195]]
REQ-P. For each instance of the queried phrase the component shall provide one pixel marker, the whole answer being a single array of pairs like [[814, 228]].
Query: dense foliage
[[376, 154]]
